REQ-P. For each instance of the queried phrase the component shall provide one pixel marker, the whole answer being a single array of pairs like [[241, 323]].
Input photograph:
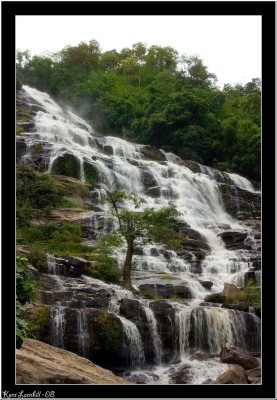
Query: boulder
[[200, 356], [233, 239], [181, 375], [152, 153], [148, 179], [206, 284], [154, 191], [235, 355], [75, 266], [40, 363], [165, 316], [230, 289], [239, 307], [254, 375], [192, 165], [234, 375], [108, 150], [167, 290]]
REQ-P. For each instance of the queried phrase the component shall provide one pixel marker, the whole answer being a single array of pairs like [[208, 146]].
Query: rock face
[[181, 375], [234, 375], [234, 239], [235, 355], [40, 363], [152, 153], [75, 266]]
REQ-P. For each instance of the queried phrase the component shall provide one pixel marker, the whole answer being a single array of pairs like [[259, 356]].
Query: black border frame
[[267, 10]]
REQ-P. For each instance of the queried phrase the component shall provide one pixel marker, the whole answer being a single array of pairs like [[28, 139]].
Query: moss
[[215, 298], [36, 148], [36, 326], [109, 329], [91, 173], [150, 294], [19, 130], [66, 165], [167, 277]]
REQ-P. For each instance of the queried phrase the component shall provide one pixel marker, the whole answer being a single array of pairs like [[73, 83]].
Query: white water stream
[[158, 184]]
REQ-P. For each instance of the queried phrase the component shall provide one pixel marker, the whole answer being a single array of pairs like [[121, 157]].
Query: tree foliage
[[153, 95], [145, 226]]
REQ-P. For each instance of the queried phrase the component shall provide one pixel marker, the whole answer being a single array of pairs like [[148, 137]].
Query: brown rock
[[234, 375], [254, 375], [230, 289], [235, 355], [40, 363]]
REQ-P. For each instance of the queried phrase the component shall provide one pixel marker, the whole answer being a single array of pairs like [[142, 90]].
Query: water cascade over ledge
[[153, 336]]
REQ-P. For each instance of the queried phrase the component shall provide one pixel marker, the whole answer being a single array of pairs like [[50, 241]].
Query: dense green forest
[[153, 95]]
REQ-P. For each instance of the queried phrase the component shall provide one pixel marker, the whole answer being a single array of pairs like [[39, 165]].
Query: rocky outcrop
[[235, 355], [233, 239], [75, 266], [152, 153], [166, 290], [165, 316], [40, 363], [180, 375], [254, 375], [240, 203], [234, 375]]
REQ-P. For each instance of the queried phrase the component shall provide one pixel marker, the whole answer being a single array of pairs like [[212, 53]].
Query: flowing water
[[197, 196]]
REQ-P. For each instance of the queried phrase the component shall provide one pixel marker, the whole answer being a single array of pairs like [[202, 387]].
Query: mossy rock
[[109, 329], [215, 298], [91, 173], [67, 165]]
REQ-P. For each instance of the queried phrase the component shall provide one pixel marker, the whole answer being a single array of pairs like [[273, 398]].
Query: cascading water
[[197, 195]]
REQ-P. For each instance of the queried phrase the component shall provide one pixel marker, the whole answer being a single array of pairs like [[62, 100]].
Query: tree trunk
[[127, 283]]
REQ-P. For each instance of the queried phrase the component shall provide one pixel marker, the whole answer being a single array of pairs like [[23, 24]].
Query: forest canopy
[[153, 95]]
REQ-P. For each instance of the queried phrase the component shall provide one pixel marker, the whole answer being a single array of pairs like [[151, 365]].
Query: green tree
[[146, 226]]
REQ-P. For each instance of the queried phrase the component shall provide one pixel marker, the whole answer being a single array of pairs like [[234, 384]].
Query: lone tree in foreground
[[147, 226]]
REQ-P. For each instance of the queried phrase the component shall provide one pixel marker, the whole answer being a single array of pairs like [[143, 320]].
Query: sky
[[230, 46]]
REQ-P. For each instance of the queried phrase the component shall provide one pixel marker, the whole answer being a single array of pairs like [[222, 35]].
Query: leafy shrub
[[23, 216], [25, 284], [36, 190], [37, 257], [109, 329]]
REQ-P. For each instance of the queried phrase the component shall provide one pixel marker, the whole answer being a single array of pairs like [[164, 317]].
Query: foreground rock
[[235, 355], [234, 375], [40, 363]]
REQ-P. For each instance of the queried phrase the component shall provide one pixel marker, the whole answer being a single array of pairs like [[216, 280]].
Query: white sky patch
[[230, 46]]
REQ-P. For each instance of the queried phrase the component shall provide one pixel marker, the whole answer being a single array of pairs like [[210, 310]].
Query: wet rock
[[27, 126], [192, 165], [239, 307], [234, 375], [152, 153], [165, 316], [108, 150], [21, 148], [154, 191], [167, 290], [200, 356], [206, 284], [138, 251], [215, 298], [75, 266], [154, 252], [233, 239], [181, 375], [235, 355], [148, 179], [254, 375]]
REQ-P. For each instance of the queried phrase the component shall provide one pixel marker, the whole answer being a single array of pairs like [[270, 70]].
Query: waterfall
[[133, 343], [205, 260], [157, 343], [58, 324], [51, 264], [83, 333]]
